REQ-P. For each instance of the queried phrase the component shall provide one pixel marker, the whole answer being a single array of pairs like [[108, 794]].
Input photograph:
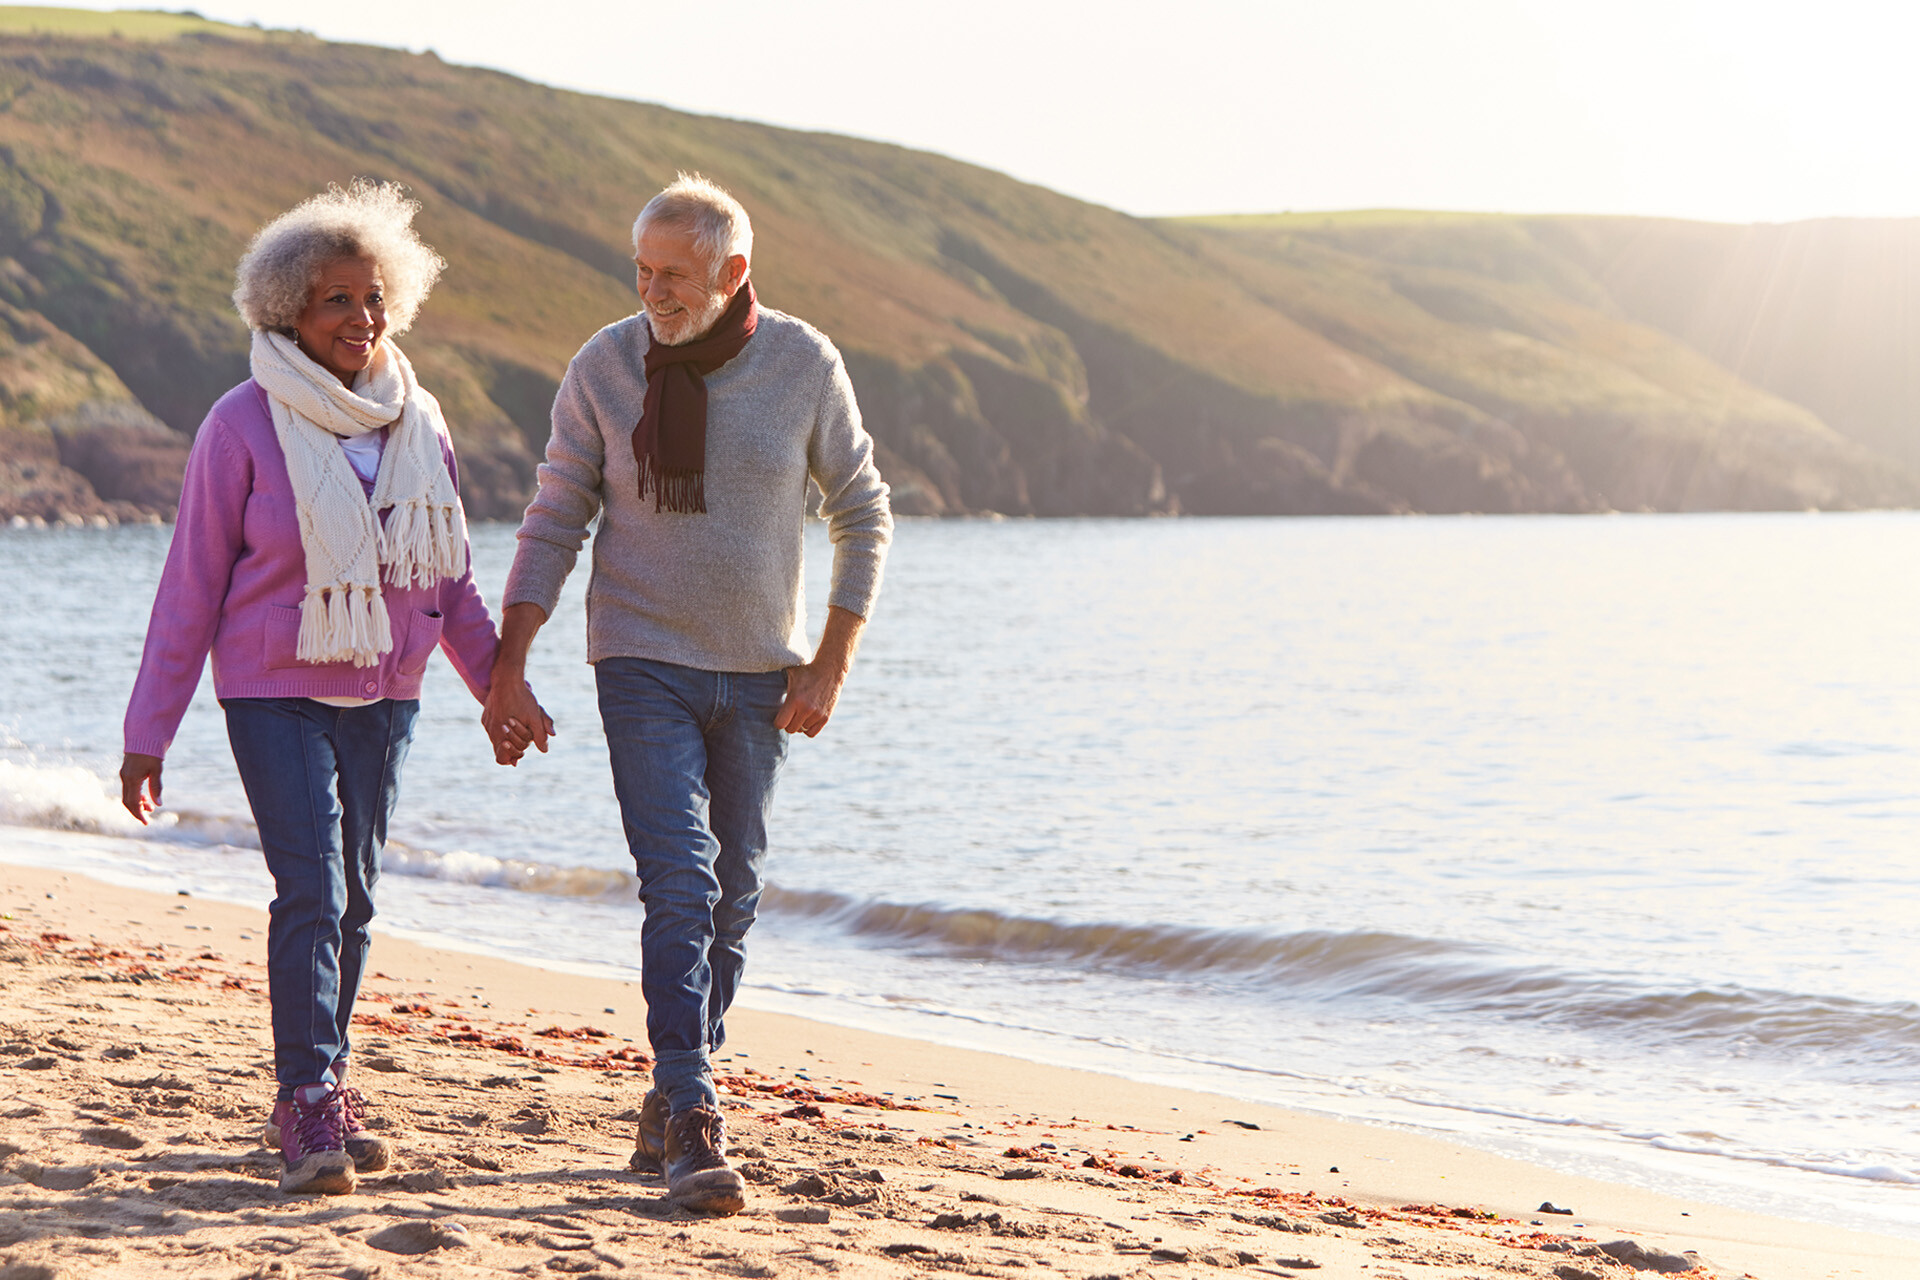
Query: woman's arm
[[468, 636], [208, 536]]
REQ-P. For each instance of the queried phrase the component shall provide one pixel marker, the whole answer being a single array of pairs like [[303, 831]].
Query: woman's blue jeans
[[695, 758], [322, 782]]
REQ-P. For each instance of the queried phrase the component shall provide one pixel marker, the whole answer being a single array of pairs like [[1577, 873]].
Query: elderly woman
[[321, 556]]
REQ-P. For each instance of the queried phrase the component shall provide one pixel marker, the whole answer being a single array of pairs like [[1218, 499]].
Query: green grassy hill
[[1014, 350]]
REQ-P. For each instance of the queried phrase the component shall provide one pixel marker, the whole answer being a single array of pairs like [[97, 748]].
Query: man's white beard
[[689, 325]]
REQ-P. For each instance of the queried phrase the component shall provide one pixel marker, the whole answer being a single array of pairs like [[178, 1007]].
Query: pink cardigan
[[236, 575]]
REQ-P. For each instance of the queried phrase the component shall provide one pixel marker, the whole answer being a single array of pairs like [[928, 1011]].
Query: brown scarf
[[670, 442]]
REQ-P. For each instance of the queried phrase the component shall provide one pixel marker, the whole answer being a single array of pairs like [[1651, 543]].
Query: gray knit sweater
[[719, 590]]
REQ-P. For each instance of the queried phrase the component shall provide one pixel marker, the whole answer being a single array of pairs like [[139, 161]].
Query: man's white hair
[[365, 219], [719, 224]]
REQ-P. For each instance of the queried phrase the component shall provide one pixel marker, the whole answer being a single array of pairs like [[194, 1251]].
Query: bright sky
[[1733, 110]]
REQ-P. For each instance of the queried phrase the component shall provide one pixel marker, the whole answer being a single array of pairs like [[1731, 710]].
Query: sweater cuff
[[856, 583], [148, 746], [539, 571]]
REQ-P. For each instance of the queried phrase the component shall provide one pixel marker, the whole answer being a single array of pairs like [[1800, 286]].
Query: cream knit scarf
[[343, 617]]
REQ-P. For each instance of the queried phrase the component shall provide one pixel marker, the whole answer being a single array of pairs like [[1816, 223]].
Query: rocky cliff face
[[1014, 351]]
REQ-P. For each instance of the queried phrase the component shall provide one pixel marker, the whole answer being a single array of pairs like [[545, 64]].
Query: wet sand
[[135, 1074]]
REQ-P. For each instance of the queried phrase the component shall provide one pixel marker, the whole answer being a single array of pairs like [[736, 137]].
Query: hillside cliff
[[1014, 350]]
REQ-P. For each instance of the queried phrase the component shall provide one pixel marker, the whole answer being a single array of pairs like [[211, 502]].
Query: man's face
[[683, 293]]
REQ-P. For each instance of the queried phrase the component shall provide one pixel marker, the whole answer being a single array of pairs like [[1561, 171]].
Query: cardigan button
[[372, 687]]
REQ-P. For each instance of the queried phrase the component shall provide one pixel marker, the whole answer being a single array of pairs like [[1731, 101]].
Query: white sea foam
[[61, 798]]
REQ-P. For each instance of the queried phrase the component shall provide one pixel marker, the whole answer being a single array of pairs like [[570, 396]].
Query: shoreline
[[1814, 1195], [880, 1155]]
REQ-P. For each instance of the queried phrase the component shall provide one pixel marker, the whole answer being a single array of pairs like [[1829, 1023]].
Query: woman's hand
[[140, 784], [514, 720]]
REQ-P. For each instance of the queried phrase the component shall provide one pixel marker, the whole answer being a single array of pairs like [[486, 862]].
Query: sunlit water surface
[[1590, 840]]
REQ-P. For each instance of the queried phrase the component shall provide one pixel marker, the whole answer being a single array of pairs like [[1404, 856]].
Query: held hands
[[140, 785], [514, 720]]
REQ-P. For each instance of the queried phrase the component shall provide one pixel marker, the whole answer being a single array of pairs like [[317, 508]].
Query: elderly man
[[693, 428]]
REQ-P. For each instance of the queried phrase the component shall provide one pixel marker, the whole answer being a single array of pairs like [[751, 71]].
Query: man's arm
[[512, 714], [813, 689]]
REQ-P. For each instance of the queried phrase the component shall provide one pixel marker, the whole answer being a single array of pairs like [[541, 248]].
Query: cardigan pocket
[[280, 641], [423, 636]]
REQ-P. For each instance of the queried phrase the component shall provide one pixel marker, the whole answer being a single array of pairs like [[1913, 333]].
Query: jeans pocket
[[423, 635], [281, 639]]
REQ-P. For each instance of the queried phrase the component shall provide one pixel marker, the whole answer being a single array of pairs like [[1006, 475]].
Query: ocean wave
[[1429, 975], [74, 798], [462, 867], [1437, 975], [61, 798]]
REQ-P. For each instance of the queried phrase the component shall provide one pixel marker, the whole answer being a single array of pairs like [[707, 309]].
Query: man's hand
[[513, 718], [813, 688], [140, 784]]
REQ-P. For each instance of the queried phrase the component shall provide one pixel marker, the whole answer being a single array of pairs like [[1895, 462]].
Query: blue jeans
[[695, 757], [322, 782]]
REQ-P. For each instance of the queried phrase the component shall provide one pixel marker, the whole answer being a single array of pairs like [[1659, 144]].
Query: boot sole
[[720, 1191], [370, 1155], [370, 1158], [326, 1173]]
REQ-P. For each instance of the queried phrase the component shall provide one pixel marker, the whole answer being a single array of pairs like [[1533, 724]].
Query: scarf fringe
[[342, 623], [423, 542], [674, 489]]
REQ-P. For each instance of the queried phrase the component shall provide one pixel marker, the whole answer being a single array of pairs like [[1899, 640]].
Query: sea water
[[1589, 840]]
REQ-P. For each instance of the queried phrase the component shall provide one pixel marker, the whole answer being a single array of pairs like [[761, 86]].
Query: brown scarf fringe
[[673, 490]]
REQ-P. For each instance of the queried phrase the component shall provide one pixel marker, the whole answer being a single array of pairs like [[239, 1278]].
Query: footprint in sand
[[412, 1238], [113, 1136]]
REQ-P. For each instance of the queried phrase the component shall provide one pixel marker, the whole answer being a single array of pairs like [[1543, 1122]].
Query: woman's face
[[346, 315]]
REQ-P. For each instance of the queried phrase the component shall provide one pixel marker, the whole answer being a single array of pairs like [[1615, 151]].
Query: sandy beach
[[134, 1076]]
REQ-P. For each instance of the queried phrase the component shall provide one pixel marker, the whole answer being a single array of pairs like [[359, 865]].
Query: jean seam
[[315, 844]]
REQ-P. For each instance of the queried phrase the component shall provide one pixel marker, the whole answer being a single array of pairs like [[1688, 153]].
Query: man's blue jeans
[[322, 782], [695, 757]]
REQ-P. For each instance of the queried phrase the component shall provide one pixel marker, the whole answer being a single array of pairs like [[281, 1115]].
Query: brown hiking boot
[[650, 1136], [698, 1175]]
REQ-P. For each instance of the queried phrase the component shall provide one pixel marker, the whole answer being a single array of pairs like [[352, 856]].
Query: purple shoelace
[[320, 1126], [353, 1109]]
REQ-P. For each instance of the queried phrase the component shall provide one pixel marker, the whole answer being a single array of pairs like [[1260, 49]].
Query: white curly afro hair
[[365, 219]]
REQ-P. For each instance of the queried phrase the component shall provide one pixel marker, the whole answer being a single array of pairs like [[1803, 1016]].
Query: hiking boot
[[313, 1142], [650, 1136], [698, 1175], [370, 1153]]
